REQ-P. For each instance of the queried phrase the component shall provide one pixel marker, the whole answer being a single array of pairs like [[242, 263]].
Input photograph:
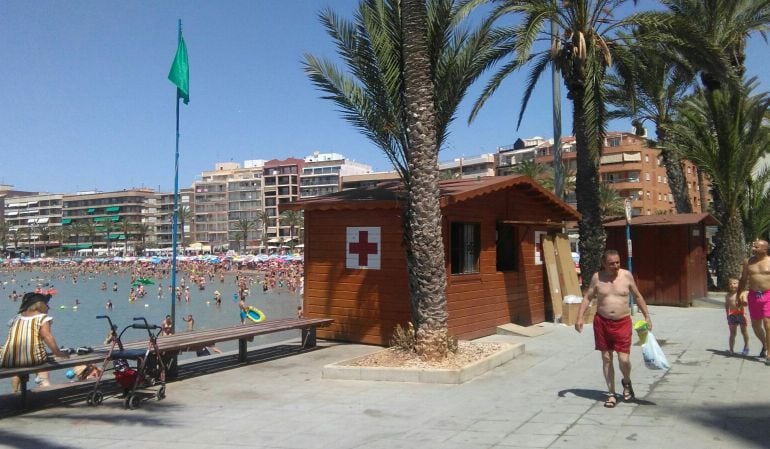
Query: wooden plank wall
[[366, 305]]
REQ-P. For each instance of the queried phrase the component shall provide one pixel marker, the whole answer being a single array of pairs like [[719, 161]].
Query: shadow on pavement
[[67, 395], [746, 422], [597, 395], [736, 355]]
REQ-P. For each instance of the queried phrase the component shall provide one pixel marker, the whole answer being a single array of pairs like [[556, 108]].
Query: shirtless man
[[612, 324], [756, 276]]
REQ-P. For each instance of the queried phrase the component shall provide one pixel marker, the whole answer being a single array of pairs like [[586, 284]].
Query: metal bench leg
[[242, 350], [24, 378], [308, 338]]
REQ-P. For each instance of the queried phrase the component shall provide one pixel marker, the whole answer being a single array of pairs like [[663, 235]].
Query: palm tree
[[76, 229], [610, 203], [647, 87], [582, 53], [409, 66], [89, 229], [292, 219], [28, 231], [724, 134], [711, 35], [755, 210], [242, 227], [540, 173], [263, 218], [60, 233], [45, 235], [13, 234], [126, 228], [4, 229], [142, 231]]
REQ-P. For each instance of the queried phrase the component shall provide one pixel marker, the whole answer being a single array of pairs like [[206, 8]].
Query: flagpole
[[176, 208]]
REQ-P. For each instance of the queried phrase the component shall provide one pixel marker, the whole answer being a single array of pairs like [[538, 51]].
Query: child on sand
[[736, 316]]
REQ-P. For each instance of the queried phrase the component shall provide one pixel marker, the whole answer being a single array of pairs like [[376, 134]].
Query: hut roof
[[392, 194], [667, 220]]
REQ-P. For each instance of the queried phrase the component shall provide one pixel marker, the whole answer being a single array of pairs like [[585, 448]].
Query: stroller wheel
[[132, 401], [95, 398], [161, 393]]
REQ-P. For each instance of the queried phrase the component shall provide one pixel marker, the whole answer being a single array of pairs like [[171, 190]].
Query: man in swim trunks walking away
[[612, 324], [756, 276]]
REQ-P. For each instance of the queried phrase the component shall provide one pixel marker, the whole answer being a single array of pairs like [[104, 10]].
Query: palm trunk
[[676, 179], [592, 235], [730, 248], [422, 220]]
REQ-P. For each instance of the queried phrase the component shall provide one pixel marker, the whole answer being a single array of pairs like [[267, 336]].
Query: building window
[[659, 179], [646, 158], [646, 176], [507, 248], [648, 194], [466, 247]]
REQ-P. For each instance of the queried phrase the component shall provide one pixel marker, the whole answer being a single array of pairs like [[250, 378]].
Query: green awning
[[66, 221], [112, 209], [117, 237], [101, 228], [91, 210], [99, 219], [115, 218], [78, 246]]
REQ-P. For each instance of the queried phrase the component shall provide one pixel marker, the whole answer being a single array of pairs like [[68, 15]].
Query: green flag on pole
[[180, 71]]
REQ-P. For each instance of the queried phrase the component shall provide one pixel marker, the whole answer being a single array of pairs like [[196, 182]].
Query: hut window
[[507, 252], [466, 246]]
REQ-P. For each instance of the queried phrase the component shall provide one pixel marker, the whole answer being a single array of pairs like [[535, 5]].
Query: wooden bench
[[182, 342]]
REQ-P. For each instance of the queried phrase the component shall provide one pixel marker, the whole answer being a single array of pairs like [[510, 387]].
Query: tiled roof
[[667, 220], [391, 195]]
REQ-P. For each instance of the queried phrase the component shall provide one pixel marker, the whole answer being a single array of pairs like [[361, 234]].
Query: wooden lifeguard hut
[[670, 255], [355, 263]]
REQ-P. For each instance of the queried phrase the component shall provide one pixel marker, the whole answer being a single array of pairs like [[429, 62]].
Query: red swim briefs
[[612, 335]]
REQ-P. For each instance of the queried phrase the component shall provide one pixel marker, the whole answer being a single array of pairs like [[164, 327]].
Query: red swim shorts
[[612, 335], [759, 304]]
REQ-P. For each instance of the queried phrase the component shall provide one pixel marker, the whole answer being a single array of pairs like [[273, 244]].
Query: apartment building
[[522, 150], [165, 218], [468, 167], [280, 184], [210, 218], [115, 221], [245, 202], [323, 172], [34, 222], [634, 170], [363, 181]]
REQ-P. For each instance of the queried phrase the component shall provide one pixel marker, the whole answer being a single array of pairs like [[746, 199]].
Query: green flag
[[180, 71]]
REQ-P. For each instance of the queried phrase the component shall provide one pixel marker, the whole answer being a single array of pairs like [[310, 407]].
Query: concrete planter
[[344, 371]]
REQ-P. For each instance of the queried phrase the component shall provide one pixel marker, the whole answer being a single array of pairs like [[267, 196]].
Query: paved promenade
[[550, 397]]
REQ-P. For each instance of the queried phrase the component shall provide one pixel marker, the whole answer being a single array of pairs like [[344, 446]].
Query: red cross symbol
[[363, 248]]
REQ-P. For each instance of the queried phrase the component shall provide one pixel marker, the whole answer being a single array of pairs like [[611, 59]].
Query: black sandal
[[611, 401], [628, 390]]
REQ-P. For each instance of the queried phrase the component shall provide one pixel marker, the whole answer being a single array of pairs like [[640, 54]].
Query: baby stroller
[[150, 371]]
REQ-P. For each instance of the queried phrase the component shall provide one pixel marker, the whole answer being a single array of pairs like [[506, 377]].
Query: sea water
[[78, 326]]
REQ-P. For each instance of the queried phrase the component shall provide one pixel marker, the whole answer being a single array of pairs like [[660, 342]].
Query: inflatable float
[[255, 314]]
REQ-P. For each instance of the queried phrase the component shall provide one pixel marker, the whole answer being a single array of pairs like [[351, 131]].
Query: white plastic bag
[[654, 358]]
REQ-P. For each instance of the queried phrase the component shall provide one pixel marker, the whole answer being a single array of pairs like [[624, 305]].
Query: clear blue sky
[[85, 103]]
